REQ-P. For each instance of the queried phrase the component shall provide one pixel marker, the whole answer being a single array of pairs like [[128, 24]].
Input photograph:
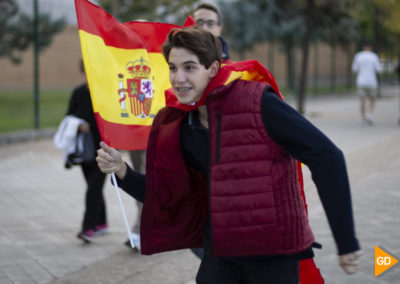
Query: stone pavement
[[41, 207]]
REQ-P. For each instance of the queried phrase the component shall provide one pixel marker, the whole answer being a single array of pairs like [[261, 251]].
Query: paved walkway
[[41, 207]]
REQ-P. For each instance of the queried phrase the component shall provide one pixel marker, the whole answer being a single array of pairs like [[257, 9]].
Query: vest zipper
[[218, 141], [218, 138], [209, 186]]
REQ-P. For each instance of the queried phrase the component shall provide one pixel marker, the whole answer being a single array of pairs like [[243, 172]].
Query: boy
[[222, 173]]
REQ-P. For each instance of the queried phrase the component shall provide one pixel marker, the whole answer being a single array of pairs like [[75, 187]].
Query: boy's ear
[[214, 69]]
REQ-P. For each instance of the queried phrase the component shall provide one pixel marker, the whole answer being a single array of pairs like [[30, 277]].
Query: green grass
[[17, 108]]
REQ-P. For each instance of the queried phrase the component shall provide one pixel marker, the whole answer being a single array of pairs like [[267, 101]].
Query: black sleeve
[[306, 143], [73, 104], [134, 184]]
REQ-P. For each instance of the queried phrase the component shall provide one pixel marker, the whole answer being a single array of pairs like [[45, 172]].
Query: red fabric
[[227, 61], [301, 183], [130, 35], [220, 79], [309, 273], [175, 207], [110, 131]]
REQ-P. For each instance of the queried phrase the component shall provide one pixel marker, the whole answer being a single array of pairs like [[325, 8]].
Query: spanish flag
[[126, 72]]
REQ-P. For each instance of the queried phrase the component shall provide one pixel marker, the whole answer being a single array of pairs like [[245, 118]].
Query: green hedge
[[16, 109]]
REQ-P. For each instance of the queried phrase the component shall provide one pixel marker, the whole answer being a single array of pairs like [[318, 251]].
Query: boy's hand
[[110, 160], [350, 262]]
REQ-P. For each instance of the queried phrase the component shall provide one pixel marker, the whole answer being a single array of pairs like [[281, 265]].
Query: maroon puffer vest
[[255, 202]]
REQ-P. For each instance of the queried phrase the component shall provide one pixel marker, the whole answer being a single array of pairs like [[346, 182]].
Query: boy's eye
[[172, 68], [189, 67]]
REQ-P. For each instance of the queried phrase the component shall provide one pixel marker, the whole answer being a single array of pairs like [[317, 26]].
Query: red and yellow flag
[[250, 70], [126, 72]]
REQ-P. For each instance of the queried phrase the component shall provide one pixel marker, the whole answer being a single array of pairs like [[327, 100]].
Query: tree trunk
[[114, 8], [301, 95], [290, 66], [36, 81], [271, 55], [349, 79], [316, 68], [333, 67], [377, 30]]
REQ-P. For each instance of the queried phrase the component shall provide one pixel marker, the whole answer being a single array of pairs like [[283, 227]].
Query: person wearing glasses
[[208, 18], [223, 172]]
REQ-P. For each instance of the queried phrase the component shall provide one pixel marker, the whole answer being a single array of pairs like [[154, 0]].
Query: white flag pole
[[122, 208]]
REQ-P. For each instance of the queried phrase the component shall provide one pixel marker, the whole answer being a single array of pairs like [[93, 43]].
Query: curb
[[26, 136]]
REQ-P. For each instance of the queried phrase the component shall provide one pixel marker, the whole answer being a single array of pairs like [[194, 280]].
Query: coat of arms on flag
[[136, 89]]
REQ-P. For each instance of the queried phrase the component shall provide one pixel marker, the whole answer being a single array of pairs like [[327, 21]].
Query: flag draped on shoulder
[[126, 72], [250, 70]]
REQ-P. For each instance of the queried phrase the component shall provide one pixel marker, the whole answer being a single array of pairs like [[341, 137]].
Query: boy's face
[[188, 77]]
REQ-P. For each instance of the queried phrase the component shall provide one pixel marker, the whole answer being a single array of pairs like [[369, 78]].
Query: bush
[[17, 108]]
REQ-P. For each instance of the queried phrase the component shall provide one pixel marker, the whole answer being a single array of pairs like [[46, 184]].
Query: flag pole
[[121, 205]]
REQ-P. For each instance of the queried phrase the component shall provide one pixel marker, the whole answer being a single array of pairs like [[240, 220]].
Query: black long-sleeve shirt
[[300, 139], [80, 105]]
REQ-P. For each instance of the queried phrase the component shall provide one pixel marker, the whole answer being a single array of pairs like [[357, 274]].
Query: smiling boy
[[222, 172]]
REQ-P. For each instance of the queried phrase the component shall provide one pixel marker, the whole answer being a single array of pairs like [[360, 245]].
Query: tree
[[16, 32], [298, 22], [290, 22], [149, 10], [239, 19], [323, 18], [378, 22], [248, 23]]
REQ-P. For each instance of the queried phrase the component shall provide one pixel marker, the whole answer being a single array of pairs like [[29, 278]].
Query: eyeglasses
[[209, 23]]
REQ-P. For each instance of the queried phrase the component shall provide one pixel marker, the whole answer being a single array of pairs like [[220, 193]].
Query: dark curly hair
[[202, 43]]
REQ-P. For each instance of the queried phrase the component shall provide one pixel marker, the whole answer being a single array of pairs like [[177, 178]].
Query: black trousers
[[95, 208], [248, 270]]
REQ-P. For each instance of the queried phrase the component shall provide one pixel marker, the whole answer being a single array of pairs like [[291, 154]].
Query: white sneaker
[[135, 241], [369, 119]]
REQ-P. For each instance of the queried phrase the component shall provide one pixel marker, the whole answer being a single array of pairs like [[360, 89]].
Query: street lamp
[[36, 64]]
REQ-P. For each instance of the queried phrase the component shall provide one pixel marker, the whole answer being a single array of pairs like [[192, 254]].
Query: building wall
[[58, 65]]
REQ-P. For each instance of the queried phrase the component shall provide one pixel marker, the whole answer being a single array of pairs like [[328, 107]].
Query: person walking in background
[[208, 18], [366, 65], [224, 176], [94, 220]]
